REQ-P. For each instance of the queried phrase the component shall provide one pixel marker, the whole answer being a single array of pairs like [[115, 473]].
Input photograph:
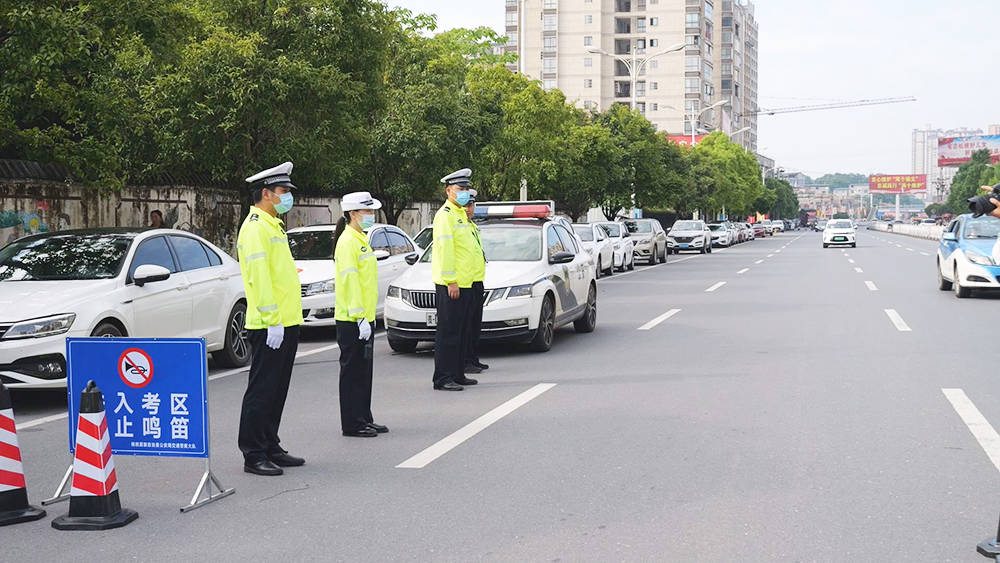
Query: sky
[[822, 51]]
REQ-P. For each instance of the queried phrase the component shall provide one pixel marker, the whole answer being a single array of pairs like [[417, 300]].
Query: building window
[[692, 19], [588, 41], [588, 62], [623, 25], [708, 11], [654, 42], [691, 105], [692, 85], [692, 63], [511, 19], [640, 25], [549, 22], [654, 85], [641, 106], [709, 89], [640, 89], [653, 22], [587, 104], [549, 44], [727, 52], [727, 36], [727, 68], [550, 4], [623, 89], [727, 84], [708, 71], [708, 49], [640, 45], [654, 107], [588, 83], [549, 65], [693, 39], [708, 31], [549, 84], [623, 5], [588, 19], [511, 3]]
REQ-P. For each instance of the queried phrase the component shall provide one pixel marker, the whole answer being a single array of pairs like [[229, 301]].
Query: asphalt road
[[783, 415]]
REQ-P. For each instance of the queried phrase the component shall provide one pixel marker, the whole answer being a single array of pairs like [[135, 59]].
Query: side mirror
[[411, 259], [381, 254], [949, 237], [150, 273], [561, 257]]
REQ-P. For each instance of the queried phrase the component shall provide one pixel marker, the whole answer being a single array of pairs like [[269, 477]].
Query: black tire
[[544, 334], [854, 245], [599, 270], [956, 285], [107, 330], [943, 284], [236, 351], [611, 269], [631, 262], [402, 346], [588, 322], [825, 245], [663, 255]]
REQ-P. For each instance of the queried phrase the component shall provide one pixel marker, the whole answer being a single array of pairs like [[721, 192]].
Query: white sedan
[[622, 243], [538, 278], [312, 249], [113, 283], [839, 232], [596, 242]]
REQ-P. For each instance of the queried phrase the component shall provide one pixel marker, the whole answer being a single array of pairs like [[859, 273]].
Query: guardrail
[[930, 232]]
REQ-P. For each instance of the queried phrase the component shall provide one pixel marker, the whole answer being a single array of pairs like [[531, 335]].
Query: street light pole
[[694, 119], [635, 65]]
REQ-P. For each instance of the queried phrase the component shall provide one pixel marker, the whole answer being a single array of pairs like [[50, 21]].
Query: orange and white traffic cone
[[94, 503], [14, 507]]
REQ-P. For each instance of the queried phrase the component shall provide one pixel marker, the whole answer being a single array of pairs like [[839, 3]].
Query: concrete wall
[[34, 206], [930, 232]]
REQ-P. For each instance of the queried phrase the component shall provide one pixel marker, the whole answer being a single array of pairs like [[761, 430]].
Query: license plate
[[839, 239], [685, 245], [432, 319]]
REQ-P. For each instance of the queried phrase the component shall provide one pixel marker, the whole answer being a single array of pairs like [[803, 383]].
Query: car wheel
[[854, 245], [663, 256], [107, 330], [825, 245], [402, 346], [611, 268], [631, 262], [588, 322], [943, 284], [542, 342], [600, 271], [236, 351], [956, 284]]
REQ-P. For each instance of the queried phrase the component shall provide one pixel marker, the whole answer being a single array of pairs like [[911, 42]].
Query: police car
[[538, 278]]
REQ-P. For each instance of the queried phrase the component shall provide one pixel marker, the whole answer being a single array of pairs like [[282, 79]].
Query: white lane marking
[[761, 261], [41, 421], [981, 428], [859, 270], [846, 254], [316, 351], [899, 245], [714, 287], [660, 319], [910, 249], [851, 260], [871, 286], [743, 271], [925, 254], [897, 320], [455, 439], [770, 255], [777, 251]]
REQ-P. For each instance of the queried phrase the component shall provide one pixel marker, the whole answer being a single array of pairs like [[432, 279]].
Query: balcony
[[623, 5]]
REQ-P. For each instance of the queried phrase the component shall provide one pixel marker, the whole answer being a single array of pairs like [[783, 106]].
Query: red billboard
[[956, 151], [686, 139], [897, 183]]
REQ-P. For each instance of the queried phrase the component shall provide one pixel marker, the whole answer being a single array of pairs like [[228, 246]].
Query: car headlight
[[393, 291], [977, 258], [325, 286], [520, 291], [647, 240], [37, 328]]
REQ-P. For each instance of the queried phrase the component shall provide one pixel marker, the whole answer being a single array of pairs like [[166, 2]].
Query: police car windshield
[[311, 245], [982, 227], [65, 257], [639, 226], [585, 232], [506, 242]]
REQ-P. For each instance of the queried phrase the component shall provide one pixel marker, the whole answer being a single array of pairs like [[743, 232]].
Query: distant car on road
[[965, 255], [650, 239], [690, 235], [759, 231], [721, 235], [623, 246], [839, 232], [114, 283], [596, 242]]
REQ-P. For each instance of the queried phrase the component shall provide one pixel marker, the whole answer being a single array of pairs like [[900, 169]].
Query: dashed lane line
[[651, 324], [871, 286], [743, 271], [716, 286], [981, 429], [851, 260], [761, 261], [859, 270], [897, 320]]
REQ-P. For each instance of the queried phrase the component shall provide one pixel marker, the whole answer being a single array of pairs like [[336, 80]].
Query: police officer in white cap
[[274, 313], [453, 266], [356, 291]]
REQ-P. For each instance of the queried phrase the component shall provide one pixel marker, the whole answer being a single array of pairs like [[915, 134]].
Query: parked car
[[721, 235], [748, 231], [623, 246], [690, 235], [312, 248], [650, 239], [965, 259], [538, 278], [777, 225], [759, 231], [114, 283], [839, 232], [596, 242]]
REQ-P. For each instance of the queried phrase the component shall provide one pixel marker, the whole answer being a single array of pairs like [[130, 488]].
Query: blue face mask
[[462, 197], [367, 221], [287, 201]]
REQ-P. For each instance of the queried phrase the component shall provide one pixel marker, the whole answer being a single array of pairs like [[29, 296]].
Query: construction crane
[[838, 105]]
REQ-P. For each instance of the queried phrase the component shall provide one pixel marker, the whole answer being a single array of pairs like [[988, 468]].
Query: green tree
[[840, 180], [587, 170], [786, 202], [726, 177], [642, 170], [968, 180]]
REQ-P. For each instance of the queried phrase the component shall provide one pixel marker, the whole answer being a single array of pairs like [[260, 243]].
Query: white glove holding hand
[[275, 336], [364, 330]]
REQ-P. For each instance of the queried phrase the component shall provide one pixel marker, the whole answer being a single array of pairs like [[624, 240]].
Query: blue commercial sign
[[155, 392]]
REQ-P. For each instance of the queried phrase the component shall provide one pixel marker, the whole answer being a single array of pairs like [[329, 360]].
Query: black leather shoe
[[466, 381], [263, 467], [366, 432], [481, 365], [285, 460], [378, 428], [449, 387], [469, 368]]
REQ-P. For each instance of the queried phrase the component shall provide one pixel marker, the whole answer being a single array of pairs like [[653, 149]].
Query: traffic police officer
[[472, 363], [356, 291], [453, 266], [274, 313]]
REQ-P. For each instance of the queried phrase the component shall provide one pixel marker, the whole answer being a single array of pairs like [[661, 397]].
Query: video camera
[[980, 205]]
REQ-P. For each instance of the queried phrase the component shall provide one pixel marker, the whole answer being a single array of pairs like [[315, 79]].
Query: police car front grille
[[423, 299], [304, 290]]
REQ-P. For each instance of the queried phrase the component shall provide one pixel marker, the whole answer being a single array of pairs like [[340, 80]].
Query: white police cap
[[359, 200], [458, 178], [280, 175]]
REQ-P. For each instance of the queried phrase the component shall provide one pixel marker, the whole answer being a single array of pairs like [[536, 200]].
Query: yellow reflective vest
[[453, 258], [271, 281], [356, 283], [479, 272]]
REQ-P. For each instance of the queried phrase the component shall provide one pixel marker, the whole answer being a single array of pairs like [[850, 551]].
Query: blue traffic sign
[[155, 392]]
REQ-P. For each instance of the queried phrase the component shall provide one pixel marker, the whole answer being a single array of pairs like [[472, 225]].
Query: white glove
[[364, 330], [275, 336]]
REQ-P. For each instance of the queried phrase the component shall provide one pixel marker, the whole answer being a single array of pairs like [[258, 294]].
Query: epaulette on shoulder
[[254, 217]]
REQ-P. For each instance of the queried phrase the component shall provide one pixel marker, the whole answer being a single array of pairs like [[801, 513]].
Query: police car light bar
[[515, 209]]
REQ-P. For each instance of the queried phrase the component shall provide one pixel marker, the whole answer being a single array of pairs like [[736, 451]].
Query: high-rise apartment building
[[558, 43], [925, 159]]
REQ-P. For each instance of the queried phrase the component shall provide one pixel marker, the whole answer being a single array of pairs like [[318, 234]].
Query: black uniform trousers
[[475, 326], [355, 377], [267, 389], [451, 341]]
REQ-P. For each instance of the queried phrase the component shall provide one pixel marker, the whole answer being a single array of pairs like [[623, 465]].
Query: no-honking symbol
[[135, 368]]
